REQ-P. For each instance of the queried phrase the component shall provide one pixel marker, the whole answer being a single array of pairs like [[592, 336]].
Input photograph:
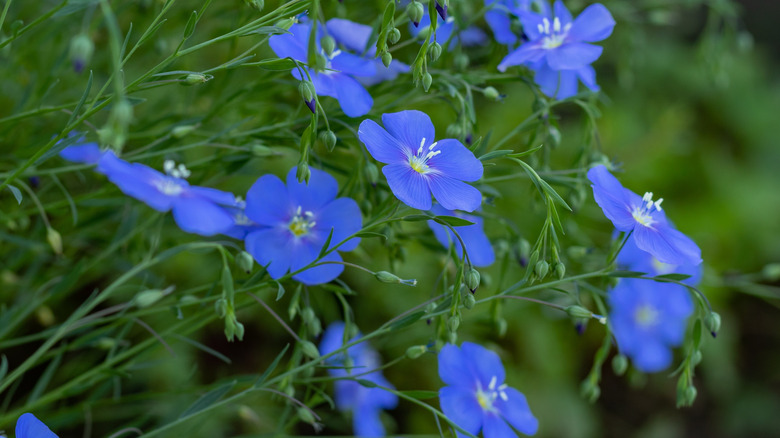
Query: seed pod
[[427, 81]]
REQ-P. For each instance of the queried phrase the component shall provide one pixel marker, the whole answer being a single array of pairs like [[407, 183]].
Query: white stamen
[[422, 144], [556, 25], [503, 396], [433, 145], [540, 28], [546, 26], [492, 385], [658, 204]]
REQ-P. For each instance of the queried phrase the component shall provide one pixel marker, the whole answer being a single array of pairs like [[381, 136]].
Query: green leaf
[[675, 277], [208, 399], [62, 144], [369, 234], [495, 154], [17, 193], [279, 64], [387, 24], [190, 27], [421, 395], [279, 291], [3, 367], [43, 381], [84, 96], [326, 245], [407, 320], [267, 30], [453, 221], [271, 367], [696, 334], [526, 153], [204, 348], [626, 274], [367, 383], [416, 217]]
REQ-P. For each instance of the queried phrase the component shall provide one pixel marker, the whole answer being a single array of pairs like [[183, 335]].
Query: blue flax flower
[[365, 404], [28, 426], [355, 37], [82, 151], [294, 221], [631, 258], [469, 37], [558, 48], [644, 218], [480, 251], [338, 80], [647, 319], [195, 209], [418, 166], [476, 397], [503, 12]]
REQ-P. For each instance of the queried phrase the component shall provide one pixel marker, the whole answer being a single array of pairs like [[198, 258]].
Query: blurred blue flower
[[480, 251], [644, 217], [476, 397], [365, 404], [647, 319], [355, 38], [86, 153], [469, 37], [631, 258], [418, 166], [558, 50], [28, 426], [503, 12], [339, 79], [294, 221], [195, 209]]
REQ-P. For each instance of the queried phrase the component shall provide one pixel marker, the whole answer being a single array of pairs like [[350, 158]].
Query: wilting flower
[[503, 12], [648, 318], [631, 258], [195, 209], [644, 218], [355, 37], [365, 403], [294, 221], [480, 251], [338, 80], [469, 37], [558, 50], [418, 166], [28, 426], [476, 397]]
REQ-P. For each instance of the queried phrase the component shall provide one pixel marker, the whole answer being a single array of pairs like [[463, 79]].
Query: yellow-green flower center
[[301, 223], [646, 316], [419, 161], [486, 399]]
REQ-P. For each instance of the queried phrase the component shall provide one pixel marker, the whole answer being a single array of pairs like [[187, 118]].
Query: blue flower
[[293, 223], [644, 218], [195, 209], [28, 426], [469, 37], [365, 404], [355, 37], [558, 50], [418, 166], [631, 258], [480, 251], [82, 152], [501, 14], [476, 397], [647, 319], [339, 79]]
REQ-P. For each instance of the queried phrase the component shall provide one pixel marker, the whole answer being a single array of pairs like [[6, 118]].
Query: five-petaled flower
[[476, 397], [644, 218], [502, 13], [29, 426], [418, 166], [366, 404], [293, 224], [558, 50], [647, 319], [478, 247]]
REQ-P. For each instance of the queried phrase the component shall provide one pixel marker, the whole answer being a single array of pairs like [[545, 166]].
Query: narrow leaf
[[208, 399], [675, 277], [271, 367], [495, 154], [626, 274], [453, 220], [407, 320], [279, 291], [17, 193], [421, 395], [190, 27], [83, 99], [43, 381], [369, 234]]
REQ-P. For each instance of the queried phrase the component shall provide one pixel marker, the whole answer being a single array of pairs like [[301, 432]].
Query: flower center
[[646, 316], [301, 223], [642, 213], [419, 161], [487, 398], [663, 268], [329, 61], [553, 37], [171, 184]]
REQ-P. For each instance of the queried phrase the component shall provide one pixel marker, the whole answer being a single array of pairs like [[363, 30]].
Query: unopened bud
[[245, 261], [501, 327], [181, 131], [690, 395], [619, 364], [240, 331], [469, 302], [81, 50], [328, 44], [579, 312], [577, 252], [454, 130], [387, 58], [430, 307], [452, 337], [427, 80], [712, 322], [416, 351], [256, 4], [560, 270], [197, 78], [453, 323], [310, 350], [148, 297], [55, 240], [590, 390], [554, 135], [306, 416], [261, 150], [328, 138], [415, 11], [541, 269], [434, 51], [306, 88], [394, 35], [461, 61], [472, 279], [696, 358], [387, 277], [45, 316], [220, 307], [303, 173], [491, 93], [372, 173]]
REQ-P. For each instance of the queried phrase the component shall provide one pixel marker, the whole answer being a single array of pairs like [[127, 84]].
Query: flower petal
[[456, 161], [594, 24], [528, 52], [410, 128], [567, 85], [380, 144], [460, 405], [453, 194], [473, 36], [561, 13], [652, 356], [353, 64], [587, 75], [343, 216], [611, 196], [572, 56], [366, 421], [353, 36], [267, 202], [293, 45], [515, 411], [318, 274], [321, 189], [213, 195], [496, 427], [408, 185], [479, 249], [88, 153], [353, 98], [200, 216], [667, 244], [454, 369], [485, 364], [138, 181], [28, 426], [271, 245], [501, 25]]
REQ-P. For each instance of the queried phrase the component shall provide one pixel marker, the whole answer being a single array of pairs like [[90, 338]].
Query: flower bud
[[372, 173], [197, 78], [394, 35], [258, 5], [491, 93], [590, 390], [712, 322], [45, 316], [430, 307], [434, 51], [541, 269], [306, 416], [554, 135], [55, 240], [579, 312], [240, 331], [220, 307], [696, 358], [306, 88], [261, 150], [619, 364], [427, 80], [181, 131], [534, 257], [454, 130], [416, 351], [245, 261], [469, 302], [690, 395], [81, 50], [148, 297], [771, 272], [501, 327], [387, 58], [386, 277], [442, 8], [415, 11], [453, 323], [452, 337], [303, 173], [461, 61], [310, 350], [328, 44], [472, 279], [560, 270], [328, 138]]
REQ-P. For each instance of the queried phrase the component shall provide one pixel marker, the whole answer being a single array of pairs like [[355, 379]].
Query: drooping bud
[[146, 298], [81, 50], [579, 312], [491, 93], [712, 322], [469, 302], [310, 350], [427, 80], [453, 323], [434, 51], [303, 173], [416, 351], [387, 58], [306, 88], [55, 240], [560, 270], [696, 358], [328, 44], [472, 279], [181, 131], [442, 9], [394, 35], [415, 11], [454, 130], [197, 78], [220, 307], [461, 61], [541, 269], [387, 277], [245, 261], [328, 138], [619, 364], [590, 390]]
